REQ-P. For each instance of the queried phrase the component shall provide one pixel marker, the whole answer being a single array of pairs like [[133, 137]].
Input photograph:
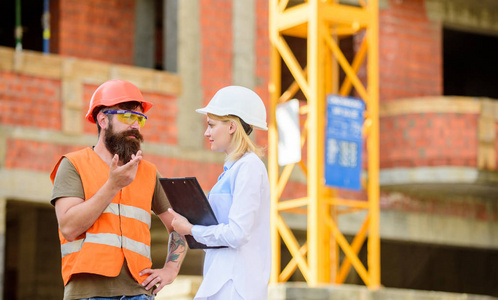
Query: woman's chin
[[215, 149]]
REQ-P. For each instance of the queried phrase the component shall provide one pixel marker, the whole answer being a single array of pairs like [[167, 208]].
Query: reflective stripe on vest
[[129, 212], [106, 239]]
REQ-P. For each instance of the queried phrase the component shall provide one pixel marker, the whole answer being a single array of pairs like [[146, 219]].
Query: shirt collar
[[228, 165]]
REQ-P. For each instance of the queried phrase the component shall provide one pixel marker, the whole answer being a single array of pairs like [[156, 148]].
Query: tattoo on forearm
[[177, 247]]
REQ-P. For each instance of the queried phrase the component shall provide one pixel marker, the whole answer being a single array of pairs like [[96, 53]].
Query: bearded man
[[103, 198]]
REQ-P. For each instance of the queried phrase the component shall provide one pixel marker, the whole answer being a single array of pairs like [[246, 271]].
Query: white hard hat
[[238, 101]]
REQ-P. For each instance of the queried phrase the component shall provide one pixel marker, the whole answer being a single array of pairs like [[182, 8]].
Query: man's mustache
[[135, 133]]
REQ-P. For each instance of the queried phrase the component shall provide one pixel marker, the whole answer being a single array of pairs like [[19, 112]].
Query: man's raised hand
[[122, 176]]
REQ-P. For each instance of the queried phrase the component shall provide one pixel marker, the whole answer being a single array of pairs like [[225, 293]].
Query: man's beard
[[122, 144]]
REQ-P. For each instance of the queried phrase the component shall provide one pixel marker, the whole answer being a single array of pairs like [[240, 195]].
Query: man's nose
[[135, 125]]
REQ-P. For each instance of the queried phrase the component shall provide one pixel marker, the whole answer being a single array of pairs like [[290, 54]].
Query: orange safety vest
[[121, 232]]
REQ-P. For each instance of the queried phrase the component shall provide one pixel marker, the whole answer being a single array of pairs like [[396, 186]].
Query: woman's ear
[[233, 127]]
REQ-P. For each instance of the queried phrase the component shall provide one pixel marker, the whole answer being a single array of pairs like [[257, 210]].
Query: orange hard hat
[[113, 92]]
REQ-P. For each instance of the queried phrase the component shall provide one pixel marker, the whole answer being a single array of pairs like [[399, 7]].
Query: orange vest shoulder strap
[[72, 154]]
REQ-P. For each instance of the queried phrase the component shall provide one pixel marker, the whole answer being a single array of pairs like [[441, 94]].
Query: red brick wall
[[95, 29], [28, 101], [410, 51], [216, 45], [33, 155], [262, 69], [161, 125], [416, 140]]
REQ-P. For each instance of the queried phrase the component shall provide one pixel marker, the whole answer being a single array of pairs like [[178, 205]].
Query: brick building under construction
[[438, 113]]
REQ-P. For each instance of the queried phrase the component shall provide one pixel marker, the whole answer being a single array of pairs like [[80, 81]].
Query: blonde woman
[[240, 200]]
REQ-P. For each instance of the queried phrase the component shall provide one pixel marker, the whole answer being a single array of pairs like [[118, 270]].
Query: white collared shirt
[[241, 202]]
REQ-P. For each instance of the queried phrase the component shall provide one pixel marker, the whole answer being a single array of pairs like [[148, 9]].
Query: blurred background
[[438, 124]]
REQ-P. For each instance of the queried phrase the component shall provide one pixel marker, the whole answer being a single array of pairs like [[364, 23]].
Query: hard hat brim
[[206, 110]]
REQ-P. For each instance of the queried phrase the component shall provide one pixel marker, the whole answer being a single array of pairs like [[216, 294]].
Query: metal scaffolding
[[322, 23]]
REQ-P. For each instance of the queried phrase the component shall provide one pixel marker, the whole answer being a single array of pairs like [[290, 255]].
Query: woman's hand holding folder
[[180, 223]]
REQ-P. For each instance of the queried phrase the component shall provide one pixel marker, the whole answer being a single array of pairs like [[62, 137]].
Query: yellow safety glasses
[[128, 117]]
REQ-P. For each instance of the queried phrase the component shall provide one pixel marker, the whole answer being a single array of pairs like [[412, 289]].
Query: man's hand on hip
[[158, 277]]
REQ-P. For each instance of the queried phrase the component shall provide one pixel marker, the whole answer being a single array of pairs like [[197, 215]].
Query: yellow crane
[[322, 23]]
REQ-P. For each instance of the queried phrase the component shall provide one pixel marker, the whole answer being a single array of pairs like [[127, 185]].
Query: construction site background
[[438, 117]]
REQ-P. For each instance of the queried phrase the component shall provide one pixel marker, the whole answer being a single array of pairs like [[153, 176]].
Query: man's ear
[[103, 120], [233, 127]]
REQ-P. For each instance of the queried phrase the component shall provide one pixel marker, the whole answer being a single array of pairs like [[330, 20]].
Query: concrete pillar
[[170, 35], [244, 34], [473, 16], [190, 125], [145, 33]]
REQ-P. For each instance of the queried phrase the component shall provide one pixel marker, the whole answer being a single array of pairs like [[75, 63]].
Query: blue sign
[[344, 142]]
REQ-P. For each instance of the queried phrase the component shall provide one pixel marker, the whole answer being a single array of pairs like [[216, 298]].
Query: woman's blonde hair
[[241, 142]]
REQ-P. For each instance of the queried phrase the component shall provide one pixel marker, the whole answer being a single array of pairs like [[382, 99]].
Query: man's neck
[[103, 153]]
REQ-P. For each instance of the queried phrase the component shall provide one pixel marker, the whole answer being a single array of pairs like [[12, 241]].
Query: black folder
[[187, 198]]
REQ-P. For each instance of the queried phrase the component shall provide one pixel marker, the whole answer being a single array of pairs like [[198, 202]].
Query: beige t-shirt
[[67, 183]]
